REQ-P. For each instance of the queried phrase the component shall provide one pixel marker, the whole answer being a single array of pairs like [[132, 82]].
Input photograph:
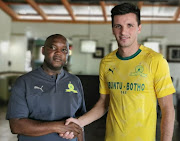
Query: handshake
[[73, 129]]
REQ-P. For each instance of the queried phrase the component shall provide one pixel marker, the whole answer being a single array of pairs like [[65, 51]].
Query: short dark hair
[[51, 37], [125, 8]]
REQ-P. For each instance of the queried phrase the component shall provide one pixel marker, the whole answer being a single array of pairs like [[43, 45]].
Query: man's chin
[[56, 68]]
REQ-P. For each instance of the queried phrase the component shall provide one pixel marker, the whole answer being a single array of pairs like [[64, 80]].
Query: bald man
[[42, 99]]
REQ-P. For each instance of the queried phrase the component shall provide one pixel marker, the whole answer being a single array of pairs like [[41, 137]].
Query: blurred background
[[25, 24]]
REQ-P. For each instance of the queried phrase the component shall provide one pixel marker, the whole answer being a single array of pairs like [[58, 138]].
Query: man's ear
[[139, 28], [42, 49]]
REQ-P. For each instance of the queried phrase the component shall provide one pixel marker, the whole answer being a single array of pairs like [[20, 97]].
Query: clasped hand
[[70, 134]]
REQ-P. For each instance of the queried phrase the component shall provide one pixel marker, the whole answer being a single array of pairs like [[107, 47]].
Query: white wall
[[175, 73], [17, 52], [82, 63], [12, 47], [85, 63], [5, 31]]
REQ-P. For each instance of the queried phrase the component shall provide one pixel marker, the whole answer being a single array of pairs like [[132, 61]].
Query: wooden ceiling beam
[[37, 8], [140, 4], [4, 6], [8, 10], [68, 8], [176, 15], [103, 7]]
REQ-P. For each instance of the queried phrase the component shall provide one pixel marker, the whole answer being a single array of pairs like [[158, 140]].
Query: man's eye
[[52, 47], [117, 26], [65, 50], [130, 25]]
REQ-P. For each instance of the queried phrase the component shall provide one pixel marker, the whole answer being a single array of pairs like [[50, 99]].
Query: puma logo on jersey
[[111, 70], [40, 88]]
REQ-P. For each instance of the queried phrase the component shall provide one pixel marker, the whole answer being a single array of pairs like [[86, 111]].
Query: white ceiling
[[98, 12]]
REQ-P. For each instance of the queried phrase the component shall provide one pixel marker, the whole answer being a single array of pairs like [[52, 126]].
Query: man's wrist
[[56, 127], [80, 122]]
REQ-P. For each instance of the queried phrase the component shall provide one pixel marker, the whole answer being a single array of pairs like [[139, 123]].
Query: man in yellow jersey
[[132, 78]]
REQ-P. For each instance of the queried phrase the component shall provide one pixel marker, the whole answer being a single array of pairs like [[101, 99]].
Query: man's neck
[[50, 71], [128, 51]]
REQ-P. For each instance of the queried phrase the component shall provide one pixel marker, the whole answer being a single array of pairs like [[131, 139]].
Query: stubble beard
[[51, 67]]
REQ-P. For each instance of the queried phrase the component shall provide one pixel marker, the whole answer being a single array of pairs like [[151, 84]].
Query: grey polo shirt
[[39, 96]]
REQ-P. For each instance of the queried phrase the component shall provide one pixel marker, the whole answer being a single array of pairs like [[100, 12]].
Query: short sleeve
[[82, 108], [103, 87], [17, 105], [162, 78]]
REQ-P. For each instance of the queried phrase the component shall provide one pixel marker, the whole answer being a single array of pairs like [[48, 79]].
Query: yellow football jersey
[[134, 84]]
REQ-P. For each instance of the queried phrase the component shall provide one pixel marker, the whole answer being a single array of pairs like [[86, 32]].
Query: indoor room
[[25, 25]]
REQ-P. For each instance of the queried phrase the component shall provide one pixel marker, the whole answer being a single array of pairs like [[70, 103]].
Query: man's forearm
[[33, 127], [167, 126], [168, 116], [96, 112], [91, 116], [30, 127]]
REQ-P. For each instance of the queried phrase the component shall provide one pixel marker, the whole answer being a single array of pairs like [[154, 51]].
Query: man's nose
[[58, 51], [123, 30]]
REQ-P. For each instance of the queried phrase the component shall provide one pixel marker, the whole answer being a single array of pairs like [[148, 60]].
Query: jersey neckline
[[129, 57]]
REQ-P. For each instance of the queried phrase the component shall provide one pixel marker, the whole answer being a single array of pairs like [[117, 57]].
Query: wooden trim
[[176, 16], [62, 21], [68, 8], [159, 5], [8, 10], [103, 6], [37, 8], [140, 4], [92, 22]]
